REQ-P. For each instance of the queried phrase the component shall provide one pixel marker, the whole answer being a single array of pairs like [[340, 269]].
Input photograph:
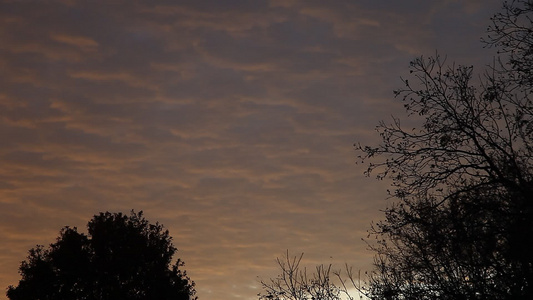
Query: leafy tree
[[122, 257], [462, 225]]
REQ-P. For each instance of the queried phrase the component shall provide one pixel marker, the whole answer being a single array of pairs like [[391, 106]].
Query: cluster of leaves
[[122, 257]]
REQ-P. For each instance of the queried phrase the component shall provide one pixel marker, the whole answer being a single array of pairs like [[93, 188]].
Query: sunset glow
[[232, 123]]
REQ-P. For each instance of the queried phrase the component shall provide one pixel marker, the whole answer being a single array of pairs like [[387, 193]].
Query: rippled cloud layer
[[230, 122]]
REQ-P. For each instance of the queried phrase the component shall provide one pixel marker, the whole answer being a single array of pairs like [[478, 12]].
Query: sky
[[231, 122]]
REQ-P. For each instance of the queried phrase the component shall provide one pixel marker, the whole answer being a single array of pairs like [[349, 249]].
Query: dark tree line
[[461, 226], [121, 257]]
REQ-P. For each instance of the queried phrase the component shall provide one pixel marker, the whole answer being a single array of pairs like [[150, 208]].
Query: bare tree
[[462, 223], [295, 283], [510, 33], [461, 226]]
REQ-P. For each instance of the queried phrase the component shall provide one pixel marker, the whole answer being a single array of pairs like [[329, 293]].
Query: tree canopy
[[121, 257]]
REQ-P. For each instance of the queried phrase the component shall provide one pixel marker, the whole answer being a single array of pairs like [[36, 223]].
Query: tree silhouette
[[122, 257], [295, 283], [462, 225]]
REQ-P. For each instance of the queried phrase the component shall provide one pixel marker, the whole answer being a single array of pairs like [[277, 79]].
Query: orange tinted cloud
[[231, 123], [78, 41]]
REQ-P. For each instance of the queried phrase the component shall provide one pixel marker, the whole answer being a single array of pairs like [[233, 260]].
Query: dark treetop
[[121, 257]]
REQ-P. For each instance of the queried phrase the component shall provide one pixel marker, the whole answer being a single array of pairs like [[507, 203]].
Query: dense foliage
[[122, 257]]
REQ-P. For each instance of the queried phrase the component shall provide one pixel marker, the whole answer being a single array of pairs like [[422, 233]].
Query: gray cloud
[[230, 122]]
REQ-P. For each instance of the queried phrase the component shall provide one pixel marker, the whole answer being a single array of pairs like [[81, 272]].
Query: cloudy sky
[[231, 122]]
